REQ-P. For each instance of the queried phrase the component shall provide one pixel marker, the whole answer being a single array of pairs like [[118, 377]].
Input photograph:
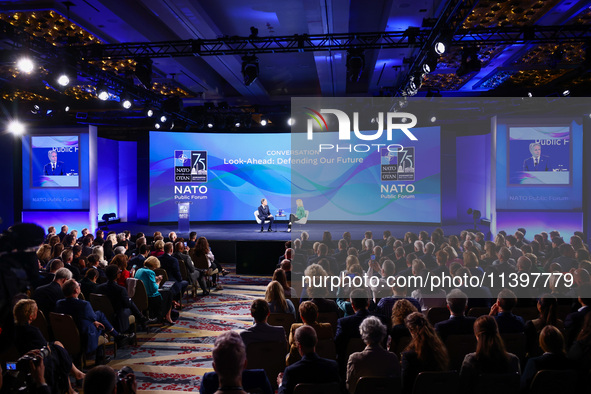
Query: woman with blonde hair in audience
[[275, 297], [489, 255], [158, 248], [425, 352], [553, 359], [318, 293], [279, 276], [109, 245], [56, 251], [471, 262], [159, 301], [53, 240], [58, 364], [44, 254], [99, 252], [490, 356], [349, 262], [452, 256], [499, 241]]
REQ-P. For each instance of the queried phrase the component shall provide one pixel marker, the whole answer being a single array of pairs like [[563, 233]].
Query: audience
[[309, 314], [311, 368], [374, 360], [458, 323], [425, 352], [261, 331], [275, 296], [490, 356]]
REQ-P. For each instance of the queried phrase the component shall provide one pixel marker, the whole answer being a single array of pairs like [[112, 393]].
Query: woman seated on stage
[[204, 260], [275, 296], [58, 364], [300, 213], [159, 301]]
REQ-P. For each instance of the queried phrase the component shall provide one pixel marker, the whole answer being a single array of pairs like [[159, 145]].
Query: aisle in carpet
[[174, 358]]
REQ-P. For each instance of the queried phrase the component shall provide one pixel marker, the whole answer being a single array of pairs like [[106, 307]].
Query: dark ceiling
[[498, 48]]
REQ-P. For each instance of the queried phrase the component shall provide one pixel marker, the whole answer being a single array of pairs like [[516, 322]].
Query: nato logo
[[182, 166]]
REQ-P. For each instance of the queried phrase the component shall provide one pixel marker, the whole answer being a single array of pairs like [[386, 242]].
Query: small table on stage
[[280, 219]]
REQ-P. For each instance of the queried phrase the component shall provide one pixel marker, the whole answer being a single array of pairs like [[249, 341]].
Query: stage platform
[[257, 253]]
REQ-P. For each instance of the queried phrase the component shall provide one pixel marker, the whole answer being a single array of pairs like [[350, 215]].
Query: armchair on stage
[[303, 220], [259, 221]]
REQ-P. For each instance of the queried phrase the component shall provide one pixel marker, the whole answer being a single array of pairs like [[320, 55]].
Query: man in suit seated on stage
[[536, 162], [261, 331], [48, 295], [458, 323], [311, 368], [265, 214], [54, 167]]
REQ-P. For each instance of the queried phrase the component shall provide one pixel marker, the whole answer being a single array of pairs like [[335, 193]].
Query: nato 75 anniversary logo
[[190, 166]]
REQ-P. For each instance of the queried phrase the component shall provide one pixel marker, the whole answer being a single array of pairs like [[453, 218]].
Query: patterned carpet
[[175, 358]]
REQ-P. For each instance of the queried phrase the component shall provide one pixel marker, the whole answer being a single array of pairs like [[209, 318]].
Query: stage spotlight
[[433, 119], [102, 92], [126, 100], [237, 124], [67, 108], [430, 64], [263, 122], [157, 126], [530, 94], [355, 65], [439, 48], [25, 64], [163, 118], [290, 122], [171, 124], [210, 125], [149, 112], [35, 109], [566, 93], [250, 69], [16, 127], [63, 80]]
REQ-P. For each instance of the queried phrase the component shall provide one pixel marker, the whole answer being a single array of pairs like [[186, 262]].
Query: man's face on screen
[[537, 150], [53, 157]]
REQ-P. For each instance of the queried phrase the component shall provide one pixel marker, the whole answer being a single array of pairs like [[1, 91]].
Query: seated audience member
[[197, 276], [67, 257], [309, 314], [429, 297], [425, 352], [374, 360], [90, 323], [275, 296], [401, 309], [554, 357], [574, 320], [385, 305], [580, 351], [138, 260], [203, 258], [348, 326], [103, 380], [59, 363], [507, 322], [88, 284], [311, 368], [48, 295], [123, 306], [458, 323], [159, 301], [229, 360], [490, 356], [171, 266], [261, 331], [279, 276], [548, 308], [387, 270], [120, 261]]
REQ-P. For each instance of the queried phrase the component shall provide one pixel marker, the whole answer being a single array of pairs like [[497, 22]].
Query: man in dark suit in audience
[[48, 295], [261, 331], [508, 322], [171, 265], [86, 246], [567, 258], [67, 258], [311, 368], [348, 326], [574, 321], [63, 232], [428, 258], [458, 323], [122, 304]]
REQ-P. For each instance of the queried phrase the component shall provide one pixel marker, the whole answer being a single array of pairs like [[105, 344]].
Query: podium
[[184, 210]]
